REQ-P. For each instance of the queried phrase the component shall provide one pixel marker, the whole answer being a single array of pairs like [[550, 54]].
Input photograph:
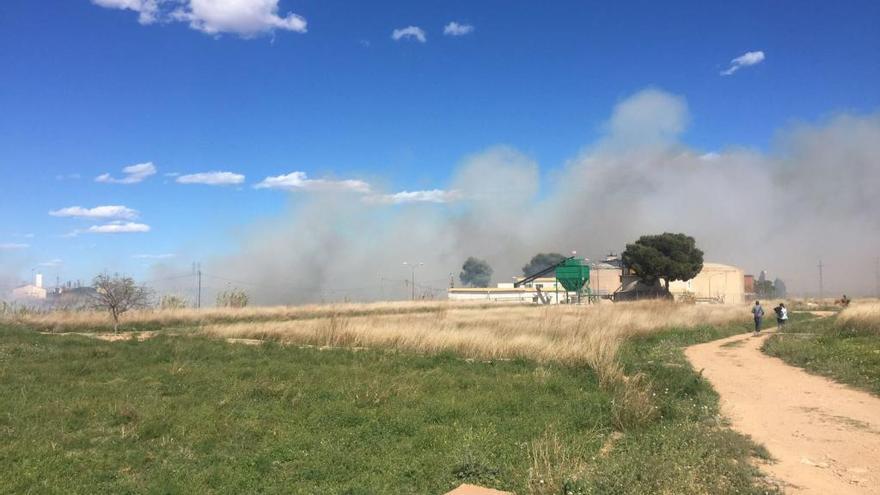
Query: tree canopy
[[665, 256], [118, 294], [475, 273], [541, 261]]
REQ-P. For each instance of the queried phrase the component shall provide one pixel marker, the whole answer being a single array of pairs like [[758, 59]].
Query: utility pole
[[197, 270], [821, 289], [413, 277], [877, 278]]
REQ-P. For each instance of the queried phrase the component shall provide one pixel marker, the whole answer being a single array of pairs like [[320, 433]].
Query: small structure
[[34, 291]]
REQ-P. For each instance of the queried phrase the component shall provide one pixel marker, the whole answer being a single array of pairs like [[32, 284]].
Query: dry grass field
[[572, 335], [861, 314], [163, 318]]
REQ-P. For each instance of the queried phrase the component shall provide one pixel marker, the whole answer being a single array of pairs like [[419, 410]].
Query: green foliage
[[666, 256], [541, 261], [475, 273], [232, 298], [846, 353], [765, 289]]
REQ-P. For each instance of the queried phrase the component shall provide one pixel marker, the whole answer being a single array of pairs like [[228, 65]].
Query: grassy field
[[845, 347], [187, 412]]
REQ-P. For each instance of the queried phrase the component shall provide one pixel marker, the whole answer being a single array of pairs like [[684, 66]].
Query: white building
[[30, 291]]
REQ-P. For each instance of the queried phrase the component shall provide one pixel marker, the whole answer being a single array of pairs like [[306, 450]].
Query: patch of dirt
[[109, 337], [824, 436], [244, 341], [609, 443]]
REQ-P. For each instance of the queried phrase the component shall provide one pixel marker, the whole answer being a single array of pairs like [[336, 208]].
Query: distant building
[[749, 284], [716, 283], [30, 291]]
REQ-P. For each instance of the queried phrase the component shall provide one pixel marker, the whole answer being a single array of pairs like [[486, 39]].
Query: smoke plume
[[813, 195]]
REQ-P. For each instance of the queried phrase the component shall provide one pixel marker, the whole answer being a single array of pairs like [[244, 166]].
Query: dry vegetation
[[156, 318], [863, 315], [574, 335]]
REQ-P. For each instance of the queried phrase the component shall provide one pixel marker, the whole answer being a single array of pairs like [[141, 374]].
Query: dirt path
[[824, 436]]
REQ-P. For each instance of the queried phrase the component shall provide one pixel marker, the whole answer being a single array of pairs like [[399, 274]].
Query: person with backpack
[[758, 313], [781, 316], [778, 311]]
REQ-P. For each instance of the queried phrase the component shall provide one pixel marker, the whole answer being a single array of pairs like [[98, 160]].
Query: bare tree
[[118, 294]]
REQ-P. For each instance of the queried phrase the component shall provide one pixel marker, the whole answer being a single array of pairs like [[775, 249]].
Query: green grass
[[825, 347], [195, 415], [689, 449]]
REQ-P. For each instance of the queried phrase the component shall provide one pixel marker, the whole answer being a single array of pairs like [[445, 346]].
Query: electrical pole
[[877, 278], [821, 289], [197, 270], [412, 267]]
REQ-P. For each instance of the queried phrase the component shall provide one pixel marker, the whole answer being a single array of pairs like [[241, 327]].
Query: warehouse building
[[717, 284]]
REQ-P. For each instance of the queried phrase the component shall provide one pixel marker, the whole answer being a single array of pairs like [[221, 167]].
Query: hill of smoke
[[814, 195]]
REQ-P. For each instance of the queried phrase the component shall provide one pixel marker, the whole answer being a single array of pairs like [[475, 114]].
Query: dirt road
[[824, 436]]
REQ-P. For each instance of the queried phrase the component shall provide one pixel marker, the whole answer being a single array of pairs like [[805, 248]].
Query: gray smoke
[[814, 195]]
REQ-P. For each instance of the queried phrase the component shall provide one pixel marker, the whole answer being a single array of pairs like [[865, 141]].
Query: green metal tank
[[573, 274]]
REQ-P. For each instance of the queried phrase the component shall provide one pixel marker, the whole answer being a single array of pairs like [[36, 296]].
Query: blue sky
[[86, 89]]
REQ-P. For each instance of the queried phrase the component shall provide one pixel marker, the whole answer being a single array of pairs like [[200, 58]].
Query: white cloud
[[456, 29], [13, 245], [298, 181], [147, 9], [246, 18], [212, 178], [109, 211], [133, 174], [118, 228], [744, 60], [428, 196], [52, 263], [409, 32], [164, 256]]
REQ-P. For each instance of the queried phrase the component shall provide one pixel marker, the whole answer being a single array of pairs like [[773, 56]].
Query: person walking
[[782, 317], [758, 313]]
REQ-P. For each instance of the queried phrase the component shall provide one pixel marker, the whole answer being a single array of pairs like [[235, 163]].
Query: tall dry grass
[[68, 320], [574, 335], [863, 316]]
